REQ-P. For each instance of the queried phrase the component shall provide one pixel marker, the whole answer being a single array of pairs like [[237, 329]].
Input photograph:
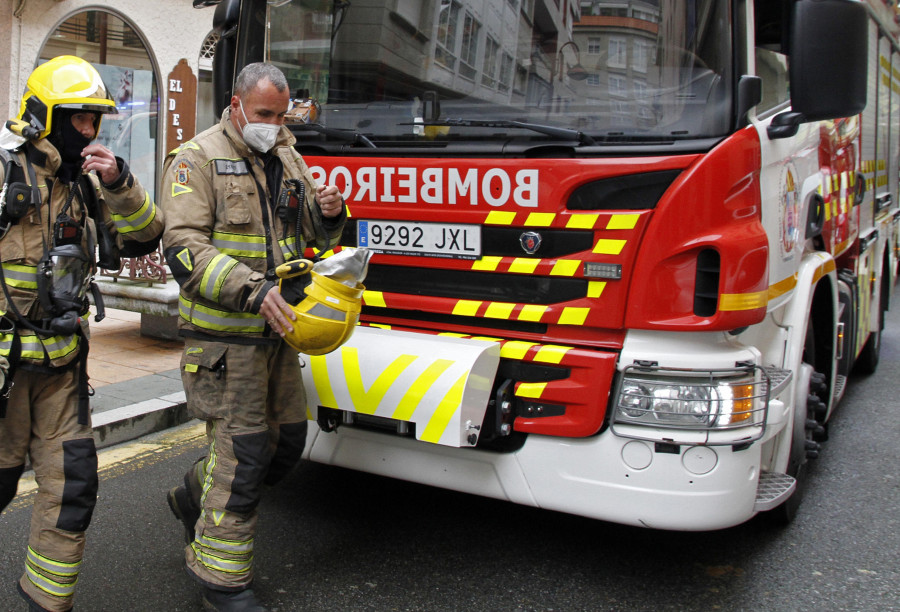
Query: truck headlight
[[682, 399]]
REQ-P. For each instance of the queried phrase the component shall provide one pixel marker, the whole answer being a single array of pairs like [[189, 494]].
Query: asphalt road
[[331, 539]]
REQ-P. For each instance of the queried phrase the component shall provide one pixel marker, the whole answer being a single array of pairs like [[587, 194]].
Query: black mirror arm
[[785, 125]]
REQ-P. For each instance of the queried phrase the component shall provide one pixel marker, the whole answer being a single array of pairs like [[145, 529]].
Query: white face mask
[[259, 136]]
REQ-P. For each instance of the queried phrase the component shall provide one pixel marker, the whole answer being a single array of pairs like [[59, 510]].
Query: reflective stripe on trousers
[[53, 577]]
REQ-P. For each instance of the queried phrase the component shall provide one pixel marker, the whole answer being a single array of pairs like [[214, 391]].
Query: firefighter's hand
[[99, 158], [277, 312], [330, 201]]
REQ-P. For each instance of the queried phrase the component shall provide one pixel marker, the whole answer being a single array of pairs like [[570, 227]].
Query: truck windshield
[[395, 72]]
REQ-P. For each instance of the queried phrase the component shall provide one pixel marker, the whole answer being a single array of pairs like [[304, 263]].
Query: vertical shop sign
[[181, 109]]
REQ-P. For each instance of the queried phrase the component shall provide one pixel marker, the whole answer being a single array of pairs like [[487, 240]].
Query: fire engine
[[627, 253]]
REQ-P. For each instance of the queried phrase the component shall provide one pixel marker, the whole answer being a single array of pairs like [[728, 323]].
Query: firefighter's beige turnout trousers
[[42, 422], [254, 405]]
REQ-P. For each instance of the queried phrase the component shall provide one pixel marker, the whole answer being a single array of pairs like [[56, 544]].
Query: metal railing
[[147, 268]]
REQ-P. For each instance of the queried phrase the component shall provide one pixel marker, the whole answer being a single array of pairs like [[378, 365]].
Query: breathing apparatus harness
[[289, 210], [290, 202], [293, 276], [326, 311]]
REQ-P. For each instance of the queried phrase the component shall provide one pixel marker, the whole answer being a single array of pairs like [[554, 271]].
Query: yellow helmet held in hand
[[326, 315], [66, 82]]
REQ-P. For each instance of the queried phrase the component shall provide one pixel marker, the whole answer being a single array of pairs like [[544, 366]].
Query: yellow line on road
[[123, 458]]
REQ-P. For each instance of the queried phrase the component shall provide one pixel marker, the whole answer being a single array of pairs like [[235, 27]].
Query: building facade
[[136, 45]]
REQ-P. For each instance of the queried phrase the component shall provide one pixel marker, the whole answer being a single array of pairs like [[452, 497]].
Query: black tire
[[867, 362], [801, 436]]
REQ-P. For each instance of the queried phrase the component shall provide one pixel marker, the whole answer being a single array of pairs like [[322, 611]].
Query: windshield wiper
[[345, 135], [549, 130]]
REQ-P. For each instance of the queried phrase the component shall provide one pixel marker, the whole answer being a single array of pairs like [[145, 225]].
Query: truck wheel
[[803, 446], [809, 411], [867, 362]]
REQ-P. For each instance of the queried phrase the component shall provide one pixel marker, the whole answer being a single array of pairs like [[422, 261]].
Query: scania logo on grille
[[530, 241]]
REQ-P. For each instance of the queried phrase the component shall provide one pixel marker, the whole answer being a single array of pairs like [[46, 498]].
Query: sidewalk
[[136, 380]]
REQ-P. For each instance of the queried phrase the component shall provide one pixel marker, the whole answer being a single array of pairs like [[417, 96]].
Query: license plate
[[428, 239]]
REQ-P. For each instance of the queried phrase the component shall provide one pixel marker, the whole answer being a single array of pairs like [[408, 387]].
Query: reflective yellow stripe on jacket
[[34, 347], [219, 320], [137, 220], [254, 247], [214, 276], [240, 245], [21, 276], [289, 248]]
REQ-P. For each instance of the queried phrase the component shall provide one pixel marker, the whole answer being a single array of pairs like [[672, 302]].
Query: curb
[[127, 423]]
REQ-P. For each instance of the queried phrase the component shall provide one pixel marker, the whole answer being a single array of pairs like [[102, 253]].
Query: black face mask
[[70, 143]]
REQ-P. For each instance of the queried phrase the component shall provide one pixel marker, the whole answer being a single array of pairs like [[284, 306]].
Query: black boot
[[185, 510], [231, 601]]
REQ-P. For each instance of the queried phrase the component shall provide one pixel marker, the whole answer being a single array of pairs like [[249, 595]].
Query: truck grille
[[517, 288]]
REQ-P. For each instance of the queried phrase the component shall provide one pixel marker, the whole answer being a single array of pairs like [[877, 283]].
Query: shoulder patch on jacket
[[183, 173], [231, 166], [181, 262], [178, 189]]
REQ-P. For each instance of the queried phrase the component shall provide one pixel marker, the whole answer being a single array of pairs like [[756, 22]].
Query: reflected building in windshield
[[634, 69]]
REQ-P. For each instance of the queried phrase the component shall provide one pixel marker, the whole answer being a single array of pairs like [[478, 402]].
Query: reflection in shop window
[[131, 132]]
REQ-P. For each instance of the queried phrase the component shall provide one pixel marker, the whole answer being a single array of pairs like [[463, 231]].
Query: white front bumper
[[602, 477]]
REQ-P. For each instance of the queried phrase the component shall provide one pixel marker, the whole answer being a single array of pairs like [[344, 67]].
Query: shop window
[[121, 57]]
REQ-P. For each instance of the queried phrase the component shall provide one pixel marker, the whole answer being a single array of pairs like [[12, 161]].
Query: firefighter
[[240, 202], [62, 196]]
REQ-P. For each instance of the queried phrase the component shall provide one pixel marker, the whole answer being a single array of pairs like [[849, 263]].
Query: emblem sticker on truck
[[790, 204]]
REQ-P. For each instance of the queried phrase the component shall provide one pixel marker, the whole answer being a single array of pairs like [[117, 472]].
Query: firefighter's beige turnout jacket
[[222, 233], [125, 209]]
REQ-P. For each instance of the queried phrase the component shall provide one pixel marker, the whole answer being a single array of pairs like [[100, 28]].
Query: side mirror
[[828, 58], [225, 19]]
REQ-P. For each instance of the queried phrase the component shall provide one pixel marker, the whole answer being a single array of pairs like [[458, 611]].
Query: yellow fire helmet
[[63, 82], [326, 314]]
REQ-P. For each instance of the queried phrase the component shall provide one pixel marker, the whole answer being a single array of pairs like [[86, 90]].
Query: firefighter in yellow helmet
[[239, 202], [62, 195]]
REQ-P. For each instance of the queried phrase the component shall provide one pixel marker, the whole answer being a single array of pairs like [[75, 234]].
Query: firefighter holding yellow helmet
[[240, 202], [62, 196]]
